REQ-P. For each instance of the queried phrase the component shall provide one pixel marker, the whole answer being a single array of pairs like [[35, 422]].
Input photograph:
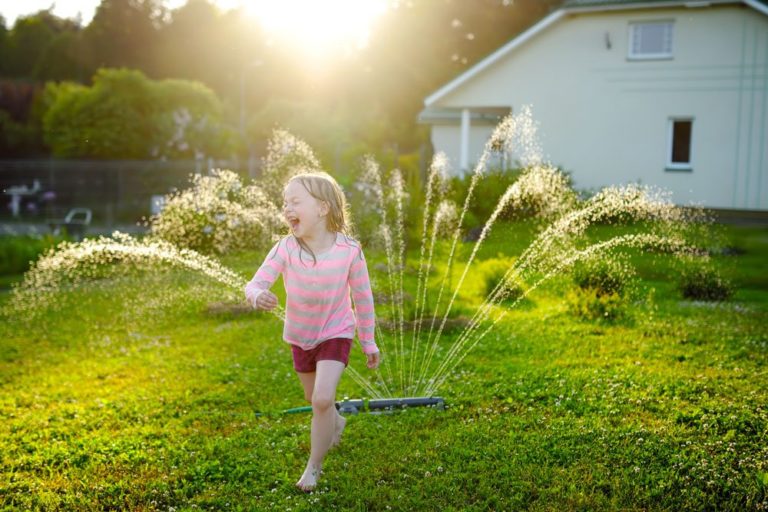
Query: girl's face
[[304, 213]]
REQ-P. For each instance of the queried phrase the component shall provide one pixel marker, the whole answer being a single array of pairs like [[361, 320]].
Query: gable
[[571, 8]]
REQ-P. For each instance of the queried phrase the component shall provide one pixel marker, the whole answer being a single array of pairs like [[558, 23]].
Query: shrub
[[602, 286], [701, 281], [486, 195], [124, 114], [18, 252], [590, 304], [607, 275], [491, 272], [218, 214], [540, 192]]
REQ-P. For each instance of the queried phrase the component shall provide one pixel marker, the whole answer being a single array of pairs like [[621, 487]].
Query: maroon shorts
[[334, 349]]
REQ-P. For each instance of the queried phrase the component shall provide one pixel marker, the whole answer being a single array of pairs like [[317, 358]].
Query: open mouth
[[294, 223]]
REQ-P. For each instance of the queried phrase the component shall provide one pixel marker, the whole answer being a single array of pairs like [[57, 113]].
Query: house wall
[[605, 118], [446, 138]]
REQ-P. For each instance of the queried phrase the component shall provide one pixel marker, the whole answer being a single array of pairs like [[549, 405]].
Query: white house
[[660, 92]]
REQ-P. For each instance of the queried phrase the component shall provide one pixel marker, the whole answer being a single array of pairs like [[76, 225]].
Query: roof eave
[[492, 58], [576, 9], [758, 6]]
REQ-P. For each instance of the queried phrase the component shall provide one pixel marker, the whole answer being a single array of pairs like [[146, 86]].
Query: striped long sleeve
[[319, 292], [267, 274], [362, 295]]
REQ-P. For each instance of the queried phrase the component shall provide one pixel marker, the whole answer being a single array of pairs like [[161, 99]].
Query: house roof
[[576, 7], [650, 3]]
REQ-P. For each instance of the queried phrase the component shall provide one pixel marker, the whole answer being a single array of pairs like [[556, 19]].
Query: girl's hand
[[265, 301], [373, 360]]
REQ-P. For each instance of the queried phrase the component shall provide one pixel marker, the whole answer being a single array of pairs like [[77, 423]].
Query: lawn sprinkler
[[374, 406], [388, 404], [377, 406]]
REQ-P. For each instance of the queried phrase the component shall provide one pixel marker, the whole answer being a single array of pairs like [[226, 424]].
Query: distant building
[[661, 92]]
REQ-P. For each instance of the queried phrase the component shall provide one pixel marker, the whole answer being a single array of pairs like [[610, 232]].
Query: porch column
[[464, 144]]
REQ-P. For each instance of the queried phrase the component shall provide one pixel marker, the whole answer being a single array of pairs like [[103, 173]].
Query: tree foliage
[[126, 115], [371, 96]]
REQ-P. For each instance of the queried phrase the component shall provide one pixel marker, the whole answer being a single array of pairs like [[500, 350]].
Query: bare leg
[[324, 416], [308, 382], [341, 422]]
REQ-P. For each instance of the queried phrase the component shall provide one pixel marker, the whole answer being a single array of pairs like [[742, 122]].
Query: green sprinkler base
[[356, 406], [377, 406]]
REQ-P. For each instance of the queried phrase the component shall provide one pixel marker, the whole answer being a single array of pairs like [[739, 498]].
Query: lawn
[[133, 394]]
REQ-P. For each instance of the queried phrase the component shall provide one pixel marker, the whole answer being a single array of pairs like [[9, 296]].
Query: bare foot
[[308, 481], [341, 422]]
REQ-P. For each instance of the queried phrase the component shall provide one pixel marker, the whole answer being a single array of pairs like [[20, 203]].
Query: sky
[[317, 28]]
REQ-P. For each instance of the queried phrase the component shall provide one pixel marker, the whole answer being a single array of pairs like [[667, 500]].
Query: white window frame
[[664, 55], [678, 166]]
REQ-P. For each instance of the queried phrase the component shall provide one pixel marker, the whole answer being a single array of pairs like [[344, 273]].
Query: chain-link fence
[[116, 192]]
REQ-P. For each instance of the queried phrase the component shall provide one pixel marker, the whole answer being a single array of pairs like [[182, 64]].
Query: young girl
[[320, 264]]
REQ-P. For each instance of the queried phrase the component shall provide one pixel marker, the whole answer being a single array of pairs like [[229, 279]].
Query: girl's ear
[[324, 208]]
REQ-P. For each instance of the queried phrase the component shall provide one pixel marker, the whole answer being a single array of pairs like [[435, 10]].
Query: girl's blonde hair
[[323, 187]]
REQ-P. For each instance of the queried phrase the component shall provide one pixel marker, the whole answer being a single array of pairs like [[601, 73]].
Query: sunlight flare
[[318, 27]]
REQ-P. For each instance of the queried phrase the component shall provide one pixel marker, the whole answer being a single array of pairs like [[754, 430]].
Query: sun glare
[[318, 27]]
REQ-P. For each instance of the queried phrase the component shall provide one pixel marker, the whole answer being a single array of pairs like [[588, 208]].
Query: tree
[[124, 33], [64, 58], [28, 42], [126, 115]]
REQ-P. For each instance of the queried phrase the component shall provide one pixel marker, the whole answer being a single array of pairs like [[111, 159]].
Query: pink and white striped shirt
[[318, 306]]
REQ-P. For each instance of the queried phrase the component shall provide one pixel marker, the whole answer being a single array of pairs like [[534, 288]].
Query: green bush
[[491, 272], [18, 252], [606, 276], [218, 214], [701, 281], [602, 288], [486, 195], [126, 115], [591, 304]]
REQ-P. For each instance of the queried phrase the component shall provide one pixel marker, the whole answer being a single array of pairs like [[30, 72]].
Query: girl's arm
[[360, 285], [268, 272]]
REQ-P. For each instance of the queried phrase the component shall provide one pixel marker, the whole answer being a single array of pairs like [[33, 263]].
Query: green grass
[[130, 395]]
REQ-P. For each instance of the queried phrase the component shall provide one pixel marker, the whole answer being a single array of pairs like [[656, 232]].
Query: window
[[650, 40], [680, 136]]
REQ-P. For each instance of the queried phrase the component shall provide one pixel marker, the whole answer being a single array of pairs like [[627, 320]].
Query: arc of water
[[580, 254], [373, 173], [634, 200], [385, 365], [398, 189], [571, 224], [363, 383], [438, 163], [429, 353], [486, 229], [433, 242], [499, 138], [54, 267], [481, 314]]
